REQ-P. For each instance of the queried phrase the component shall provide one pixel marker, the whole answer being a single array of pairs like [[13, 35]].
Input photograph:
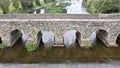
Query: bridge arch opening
[[72, 38], [118, 39], [39, 38], [1, 40], [45, 38], [102, 35], [18, 36]]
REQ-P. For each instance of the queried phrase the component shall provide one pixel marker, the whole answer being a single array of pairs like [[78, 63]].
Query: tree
[[11, 7], [103, 6], [4, 4]]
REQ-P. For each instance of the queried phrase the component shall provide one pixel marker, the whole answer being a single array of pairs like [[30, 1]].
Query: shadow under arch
[[39, 38], [1, 40], [72, 38], [118, 39], [45, 38], [102, 35], [18, 36]]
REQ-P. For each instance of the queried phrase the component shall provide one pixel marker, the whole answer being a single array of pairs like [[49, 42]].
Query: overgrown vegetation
[[20, 6], [103, 6], [58, 9], [87, 47], [2, 46], [31, 47]]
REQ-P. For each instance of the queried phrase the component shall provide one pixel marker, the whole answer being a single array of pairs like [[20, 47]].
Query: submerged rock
[[93, 38], [70, 38], [47, 38]]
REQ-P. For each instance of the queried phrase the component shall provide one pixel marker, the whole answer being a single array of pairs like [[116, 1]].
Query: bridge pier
[[112, 42], [58, 41]]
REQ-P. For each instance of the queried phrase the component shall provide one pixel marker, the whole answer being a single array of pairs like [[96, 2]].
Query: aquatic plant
[[31, 47]]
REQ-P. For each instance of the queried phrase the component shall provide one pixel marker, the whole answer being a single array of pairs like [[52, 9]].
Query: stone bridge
[[106, 26]]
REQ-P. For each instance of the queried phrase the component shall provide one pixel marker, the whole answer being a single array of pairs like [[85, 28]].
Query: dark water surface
[[99, 53]]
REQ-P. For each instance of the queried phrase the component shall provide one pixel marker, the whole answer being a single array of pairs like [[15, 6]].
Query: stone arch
[[102, 35], [17, 35], [45, 37], [71, 38]]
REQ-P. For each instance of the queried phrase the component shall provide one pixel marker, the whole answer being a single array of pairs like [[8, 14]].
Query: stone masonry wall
[[59, 24]]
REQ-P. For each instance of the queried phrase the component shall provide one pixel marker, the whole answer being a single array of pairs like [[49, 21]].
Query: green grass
[[31, 47], [2, 46], [87, 47]]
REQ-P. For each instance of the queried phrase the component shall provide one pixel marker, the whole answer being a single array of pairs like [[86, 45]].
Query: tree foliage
[[58, 9], [103, 6], [19, 6]]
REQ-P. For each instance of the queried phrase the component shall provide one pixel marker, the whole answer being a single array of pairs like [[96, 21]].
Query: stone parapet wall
[[60, 16]]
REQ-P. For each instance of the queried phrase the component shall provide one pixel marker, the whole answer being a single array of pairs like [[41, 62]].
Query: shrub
[[2, 46], [31, 47]]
